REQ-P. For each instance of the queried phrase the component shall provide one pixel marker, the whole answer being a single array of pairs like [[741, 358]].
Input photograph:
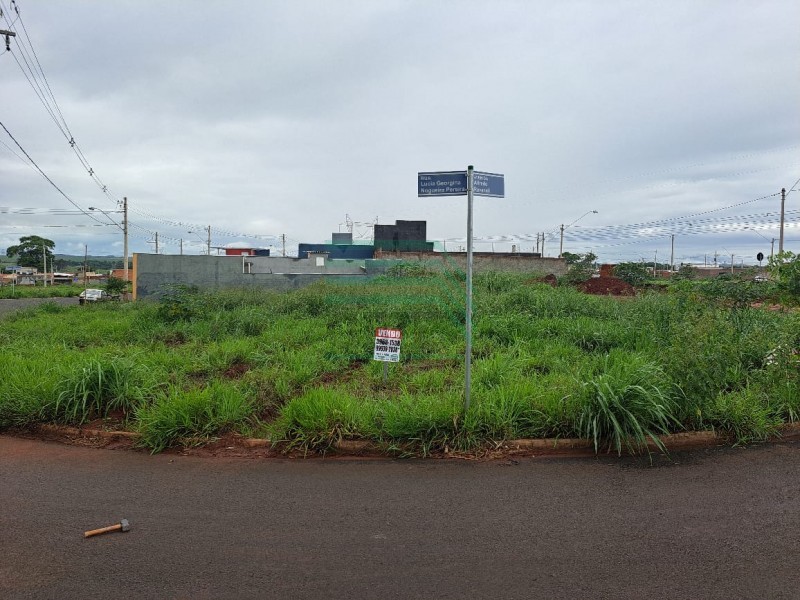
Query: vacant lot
[[296, 367]]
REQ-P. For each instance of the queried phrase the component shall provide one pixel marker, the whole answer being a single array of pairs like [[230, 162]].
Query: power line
[[50, 181]]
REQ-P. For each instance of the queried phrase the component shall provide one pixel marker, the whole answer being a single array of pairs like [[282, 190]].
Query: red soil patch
[[236, 370], [607, 286]]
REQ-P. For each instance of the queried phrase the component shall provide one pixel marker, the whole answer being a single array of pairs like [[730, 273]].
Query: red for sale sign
[[387, 344]]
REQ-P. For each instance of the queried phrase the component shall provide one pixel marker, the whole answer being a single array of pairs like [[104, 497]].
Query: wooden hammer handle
[[103, 530]]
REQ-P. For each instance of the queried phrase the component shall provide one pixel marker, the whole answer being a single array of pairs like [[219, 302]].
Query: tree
[[785, 267], [29, 251], [634, 273], [581, 266], [116, 285]]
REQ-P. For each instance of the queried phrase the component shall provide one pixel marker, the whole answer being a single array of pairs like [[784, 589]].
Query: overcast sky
[[268, 118]]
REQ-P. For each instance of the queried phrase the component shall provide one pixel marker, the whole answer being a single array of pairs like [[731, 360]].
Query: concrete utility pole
[[731, 264], [561, 244], [772, 249], [783, 207], [283, 242], [209, 240], [125, 237], [672, 255], [156, 242], [44, 258], [655, 263], [181, 246]]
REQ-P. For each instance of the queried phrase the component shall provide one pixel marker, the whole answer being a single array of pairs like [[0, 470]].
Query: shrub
[[179, 303], [581, 266], [785, 267], [116, 285], [634, 273]]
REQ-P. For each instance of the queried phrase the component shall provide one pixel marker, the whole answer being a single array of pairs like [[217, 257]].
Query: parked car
[[93, 295]]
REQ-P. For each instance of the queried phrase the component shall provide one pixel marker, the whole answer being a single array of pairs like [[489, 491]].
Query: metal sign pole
[[468, 352]]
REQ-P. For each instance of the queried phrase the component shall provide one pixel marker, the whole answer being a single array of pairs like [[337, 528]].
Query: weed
[[181, 414], [98, 387], [625, 408]]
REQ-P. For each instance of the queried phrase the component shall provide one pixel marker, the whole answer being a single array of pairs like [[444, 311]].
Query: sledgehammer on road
[[123, 525]]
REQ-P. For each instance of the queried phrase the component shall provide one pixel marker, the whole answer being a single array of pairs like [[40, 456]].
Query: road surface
[[9, 305], [713, 524]]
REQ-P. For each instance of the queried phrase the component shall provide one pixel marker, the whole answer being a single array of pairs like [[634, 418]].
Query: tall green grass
[[546, 362]]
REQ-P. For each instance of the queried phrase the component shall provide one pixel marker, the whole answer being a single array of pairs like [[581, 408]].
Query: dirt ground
[[607, 286]]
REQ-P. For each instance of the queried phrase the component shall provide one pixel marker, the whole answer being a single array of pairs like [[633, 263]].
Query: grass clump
[[624, 407], [98, 387], [180, 415]]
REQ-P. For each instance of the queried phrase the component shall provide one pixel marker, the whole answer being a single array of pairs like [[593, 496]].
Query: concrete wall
[[481, 261], [152, 272]]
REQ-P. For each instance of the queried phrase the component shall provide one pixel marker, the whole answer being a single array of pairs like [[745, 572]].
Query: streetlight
[[124, 228], [207, 241], [771, 241], [561, 246]]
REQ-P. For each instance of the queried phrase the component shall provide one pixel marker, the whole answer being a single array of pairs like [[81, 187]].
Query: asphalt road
[[713, 524], [9, 305]]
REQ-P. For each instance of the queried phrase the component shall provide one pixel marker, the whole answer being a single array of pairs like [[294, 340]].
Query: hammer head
[[125, 525]]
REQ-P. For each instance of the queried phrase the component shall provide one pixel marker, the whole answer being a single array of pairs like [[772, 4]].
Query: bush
[[116, 285], [785, 267], [179, 303], [581, 266], [634, 273]]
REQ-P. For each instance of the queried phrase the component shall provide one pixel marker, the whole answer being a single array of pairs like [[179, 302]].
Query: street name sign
[[454, 183]]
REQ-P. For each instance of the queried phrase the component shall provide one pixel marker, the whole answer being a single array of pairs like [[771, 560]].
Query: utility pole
[[783, 207], [8, 35], [772, 249], [85, 263], [181, 246], [156, 242], [655, 263], [537, 242], [44, 257], [561, 245], [543, 243], [125, 237], [283, 242], [209, 240], [731, 264], [672, 255]]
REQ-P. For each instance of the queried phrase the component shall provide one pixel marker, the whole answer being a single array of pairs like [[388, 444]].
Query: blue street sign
[[442, 183], [454, 183], [488, 184]]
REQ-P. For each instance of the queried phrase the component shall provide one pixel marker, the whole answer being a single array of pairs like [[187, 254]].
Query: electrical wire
[[50, 181]]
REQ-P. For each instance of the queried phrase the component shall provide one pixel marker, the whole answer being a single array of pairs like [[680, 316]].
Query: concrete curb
[[691, 440]]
